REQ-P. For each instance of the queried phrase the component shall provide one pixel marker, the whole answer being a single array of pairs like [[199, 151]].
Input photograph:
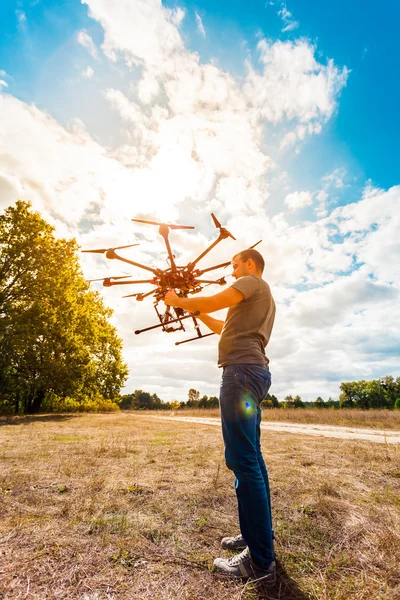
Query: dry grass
[[116, 507], [374, 419]]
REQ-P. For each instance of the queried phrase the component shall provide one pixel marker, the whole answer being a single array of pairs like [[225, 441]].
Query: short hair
[[254, 255]]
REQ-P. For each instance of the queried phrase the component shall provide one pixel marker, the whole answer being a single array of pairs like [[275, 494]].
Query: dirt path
[[379, 436]]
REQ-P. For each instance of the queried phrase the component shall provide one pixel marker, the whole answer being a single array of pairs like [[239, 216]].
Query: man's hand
[[171, 299]]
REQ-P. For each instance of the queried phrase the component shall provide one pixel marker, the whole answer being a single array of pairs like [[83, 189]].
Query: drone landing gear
[[198, 337], [165, 327]]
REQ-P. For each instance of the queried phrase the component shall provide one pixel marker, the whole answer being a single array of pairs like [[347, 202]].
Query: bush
[[81, 403]]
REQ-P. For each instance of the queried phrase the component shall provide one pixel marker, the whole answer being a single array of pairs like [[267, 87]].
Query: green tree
[[375, 393], [354, 394], [270, 401], [213, 402], [55, 337], [391, 388], [142, 400], [288, 401], [331, 403], [203, 402], [193, 398], [319, 403], [298, 402]]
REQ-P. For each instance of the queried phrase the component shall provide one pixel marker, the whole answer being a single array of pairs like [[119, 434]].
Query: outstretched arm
[[206, 304], [214, 324]]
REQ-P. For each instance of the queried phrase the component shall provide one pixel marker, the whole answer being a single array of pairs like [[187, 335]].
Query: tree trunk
[[37, 401]]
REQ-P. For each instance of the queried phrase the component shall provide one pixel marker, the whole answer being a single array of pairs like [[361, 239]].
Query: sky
[[279, 117]]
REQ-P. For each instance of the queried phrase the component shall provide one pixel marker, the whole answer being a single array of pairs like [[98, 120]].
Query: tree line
[[140, 400], [379, 393]]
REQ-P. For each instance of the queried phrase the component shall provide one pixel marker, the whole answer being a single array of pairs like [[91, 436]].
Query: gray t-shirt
[[248, 324]]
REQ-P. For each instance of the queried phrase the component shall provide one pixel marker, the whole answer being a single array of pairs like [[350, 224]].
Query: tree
[[354, 394], [55, 338], [213, 402], [270, 401], [375, 393], [319, 403], [391, 389], [288, 401], [203, 402], [193, 398], [298, 402], [331, 403]]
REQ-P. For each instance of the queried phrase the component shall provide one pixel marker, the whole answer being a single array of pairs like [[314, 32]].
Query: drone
[[184, 280]]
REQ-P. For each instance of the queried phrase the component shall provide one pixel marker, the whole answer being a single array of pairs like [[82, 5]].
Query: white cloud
[[21, 16], [3, 83], [289, 23], [86, 41], [297, 200], [330, 184], [88, 73], [200, 25], [143, 31], [293, 85], [2, 73]]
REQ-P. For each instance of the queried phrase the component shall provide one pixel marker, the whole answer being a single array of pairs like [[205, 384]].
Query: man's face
[[240, 268]]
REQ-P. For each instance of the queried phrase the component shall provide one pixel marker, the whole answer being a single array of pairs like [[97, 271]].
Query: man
[[245, 382]]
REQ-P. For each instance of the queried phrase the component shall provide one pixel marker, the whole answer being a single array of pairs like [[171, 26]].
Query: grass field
[[118, 507]]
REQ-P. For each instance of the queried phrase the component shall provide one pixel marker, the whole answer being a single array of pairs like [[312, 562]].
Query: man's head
[[247, 262]]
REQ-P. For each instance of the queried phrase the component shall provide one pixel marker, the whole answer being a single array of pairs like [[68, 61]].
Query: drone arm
[[129, 281], [135, 264], [209, 281], [221, 237], [202, 271]]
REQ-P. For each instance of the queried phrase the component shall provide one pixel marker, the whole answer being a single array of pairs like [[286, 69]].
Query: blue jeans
[[243, 387]]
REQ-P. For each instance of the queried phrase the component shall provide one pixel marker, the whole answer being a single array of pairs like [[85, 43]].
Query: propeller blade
[[171, 226], [216, 222], [254, 245], [110, 277], [222, 229], [102, 250]]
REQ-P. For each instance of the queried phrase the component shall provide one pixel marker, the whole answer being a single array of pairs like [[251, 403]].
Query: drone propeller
[[110, 277], [219, 226], [163, 224], [102, 250]]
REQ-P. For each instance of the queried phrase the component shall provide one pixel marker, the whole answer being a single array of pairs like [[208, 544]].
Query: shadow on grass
[[28, 419], [285, 588]]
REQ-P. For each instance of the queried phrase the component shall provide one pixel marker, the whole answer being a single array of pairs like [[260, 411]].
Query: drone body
[[184, 280]]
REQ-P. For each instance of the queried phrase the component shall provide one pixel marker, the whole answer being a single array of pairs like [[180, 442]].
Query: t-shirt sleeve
[[248, 285]]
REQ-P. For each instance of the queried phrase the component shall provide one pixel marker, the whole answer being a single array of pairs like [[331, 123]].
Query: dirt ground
[[379, 436], [122, 507]]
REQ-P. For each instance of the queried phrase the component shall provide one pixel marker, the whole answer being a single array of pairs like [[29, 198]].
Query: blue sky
[[280, 117], [360, 35]]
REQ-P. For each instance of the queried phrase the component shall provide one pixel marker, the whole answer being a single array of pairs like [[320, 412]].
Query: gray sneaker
[[233, 543], [242, 566]]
